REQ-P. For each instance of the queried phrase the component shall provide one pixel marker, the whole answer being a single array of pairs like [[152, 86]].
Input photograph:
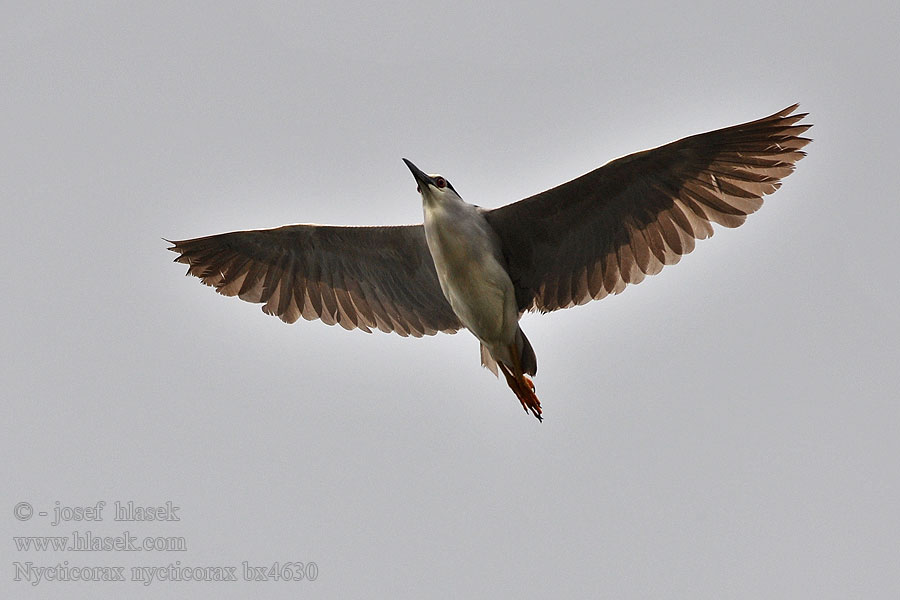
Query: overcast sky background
[[725, 429]]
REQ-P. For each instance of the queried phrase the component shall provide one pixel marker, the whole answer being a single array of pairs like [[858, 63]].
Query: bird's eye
[[440, 182]]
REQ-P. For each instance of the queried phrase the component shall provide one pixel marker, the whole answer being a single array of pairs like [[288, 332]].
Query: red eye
[[440, 182]]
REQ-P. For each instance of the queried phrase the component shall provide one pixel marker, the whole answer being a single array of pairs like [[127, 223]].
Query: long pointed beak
[[421, 178]]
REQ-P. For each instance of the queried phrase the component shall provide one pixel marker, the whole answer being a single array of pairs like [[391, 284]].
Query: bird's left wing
[[358, 277], [595, 234]]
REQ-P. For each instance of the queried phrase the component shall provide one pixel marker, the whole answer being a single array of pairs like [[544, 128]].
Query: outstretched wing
[[365, 277], [593, 235]]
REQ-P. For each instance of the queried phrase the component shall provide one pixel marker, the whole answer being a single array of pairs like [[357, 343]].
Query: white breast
[[467, 258]]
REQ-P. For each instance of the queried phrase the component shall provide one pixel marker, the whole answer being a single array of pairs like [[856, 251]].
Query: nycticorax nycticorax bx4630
[[480, 269]]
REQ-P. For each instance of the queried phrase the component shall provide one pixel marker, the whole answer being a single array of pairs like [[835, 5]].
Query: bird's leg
[[521, 384]]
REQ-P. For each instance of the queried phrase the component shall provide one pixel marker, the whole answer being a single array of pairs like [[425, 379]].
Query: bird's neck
[[448, 204]]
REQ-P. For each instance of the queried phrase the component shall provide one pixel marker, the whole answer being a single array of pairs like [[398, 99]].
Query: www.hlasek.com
[[173, 572], [87, 541]]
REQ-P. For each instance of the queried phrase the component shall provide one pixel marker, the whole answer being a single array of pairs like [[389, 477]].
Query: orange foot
[[528, 398], [523, 387]]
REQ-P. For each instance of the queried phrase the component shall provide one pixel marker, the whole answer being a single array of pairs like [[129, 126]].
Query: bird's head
[[432, 187]]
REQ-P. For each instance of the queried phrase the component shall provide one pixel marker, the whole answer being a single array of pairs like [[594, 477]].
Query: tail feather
[[487, 361], [527, 357]]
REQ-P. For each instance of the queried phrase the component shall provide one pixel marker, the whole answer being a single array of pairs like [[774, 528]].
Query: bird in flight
[[481, 269]]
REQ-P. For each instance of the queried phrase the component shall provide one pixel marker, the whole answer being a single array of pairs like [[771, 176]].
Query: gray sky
[[727, 428]]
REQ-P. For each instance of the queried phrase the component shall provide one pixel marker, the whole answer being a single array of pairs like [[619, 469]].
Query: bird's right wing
[[358, 277], [595, 234]]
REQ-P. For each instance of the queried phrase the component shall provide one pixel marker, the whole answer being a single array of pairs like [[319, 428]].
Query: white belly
[[471, 276]]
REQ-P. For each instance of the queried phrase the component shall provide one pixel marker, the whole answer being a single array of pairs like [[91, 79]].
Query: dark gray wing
[[363, 277], [593, 235]]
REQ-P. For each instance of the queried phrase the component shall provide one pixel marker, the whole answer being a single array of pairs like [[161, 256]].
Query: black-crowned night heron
[[482, 268]]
